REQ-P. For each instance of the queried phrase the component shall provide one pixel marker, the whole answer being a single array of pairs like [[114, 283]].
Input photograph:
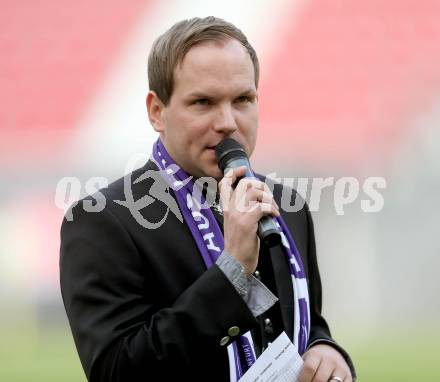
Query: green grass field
[[396, 355], [36, 357], [32, 355]]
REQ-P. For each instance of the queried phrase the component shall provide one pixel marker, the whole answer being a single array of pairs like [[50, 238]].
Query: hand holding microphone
[[249, 206]]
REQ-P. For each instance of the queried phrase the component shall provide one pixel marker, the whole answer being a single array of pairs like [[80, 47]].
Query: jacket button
[[224, 341], [268, 328], [234, 331]]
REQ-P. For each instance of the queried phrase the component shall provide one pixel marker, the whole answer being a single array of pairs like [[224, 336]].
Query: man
[[198, 297]]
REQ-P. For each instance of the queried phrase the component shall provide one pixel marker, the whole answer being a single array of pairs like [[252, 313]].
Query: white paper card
[[280, 362]]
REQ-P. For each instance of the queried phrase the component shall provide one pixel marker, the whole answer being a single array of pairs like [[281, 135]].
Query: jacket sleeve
[[319, 330], [121, 331]]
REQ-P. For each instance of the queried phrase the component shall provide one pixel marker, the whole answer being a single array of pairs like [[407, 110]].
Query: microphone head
[[228, 149]]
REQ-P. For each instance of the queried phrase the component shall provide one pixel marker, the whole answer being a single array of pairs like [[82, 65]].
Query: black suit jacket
[[143, 307]]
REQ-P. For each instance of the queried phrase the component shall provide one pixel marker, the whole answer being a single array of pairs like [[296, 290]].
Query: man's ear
[[155, 109]]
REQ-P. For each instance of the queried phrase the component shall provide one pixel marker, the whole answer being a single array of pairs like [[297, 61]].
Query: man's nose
[[225, 121]]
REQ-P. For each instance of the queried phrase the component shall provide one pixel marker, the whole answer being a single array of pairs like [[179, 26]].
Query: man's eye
[[243, 99], [201, 101]]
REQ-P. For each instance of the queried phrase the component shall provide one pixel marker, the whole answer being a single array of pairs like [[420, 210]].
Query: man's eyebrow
[[249, 91], [200, 94]]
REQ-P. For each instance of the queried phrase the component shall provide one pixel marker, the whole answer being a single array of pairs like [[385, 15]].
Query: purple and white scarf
[[210, 242]]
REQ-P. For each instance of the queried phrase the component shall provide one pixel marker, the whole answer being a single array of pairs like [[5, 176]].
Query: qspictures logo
[[345, 190]]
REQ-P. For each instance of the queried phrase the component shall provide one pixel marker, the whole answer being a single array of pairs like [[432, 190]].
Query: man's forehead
[[203, 47], [212, 63]]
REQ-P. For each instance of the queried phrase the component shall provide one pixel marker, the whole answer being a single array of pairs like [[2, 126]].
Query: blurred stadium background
[[348, 88]]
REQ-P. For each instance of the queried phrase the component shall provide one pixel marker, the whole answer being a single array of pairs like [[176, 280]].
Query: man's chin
[[213, 173]]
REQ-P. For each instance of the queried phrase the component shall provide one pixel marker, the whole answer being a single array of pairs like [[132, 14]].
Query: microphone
[[230, 154]]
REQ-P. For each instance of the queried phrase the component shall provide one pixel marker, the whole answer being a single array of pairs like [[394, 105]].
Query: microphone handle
[[268, 231]]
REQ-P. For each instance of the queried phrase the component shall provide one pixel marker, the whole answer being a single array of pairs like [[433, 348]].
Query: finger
[[248, 183], [265, 209], [324, 371], [255, 190], [225, 185], [225, 188], [338, 372], [260, 191], [253, 187], [249, 201], [267, 197], [255, 195], [265, 205], [245, 184], [341, 374], [311, 364], [236, 173], [231, 176]]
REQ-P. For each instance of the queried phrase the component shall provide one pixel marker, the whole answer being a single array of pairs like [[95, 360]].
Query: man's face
[[214, 97]]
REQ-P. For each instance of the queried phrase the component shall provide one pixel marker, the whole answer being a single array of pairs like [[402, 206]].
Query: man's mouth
[[211, 152]]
